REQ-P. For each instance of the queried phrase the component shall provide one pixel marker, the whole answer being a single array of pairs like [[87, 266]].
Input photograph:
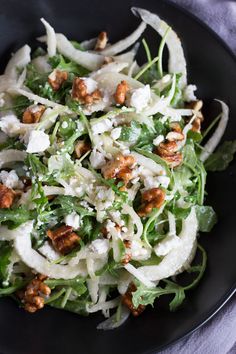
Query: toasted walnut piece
[[33, 296], [127, 243], [79, 92], [106, 233], [197, 107], [121, 90], [152, 198], [101, 41], [81, 148], [168, 151], [174, 136], [64, 239], [7, 196], [120, 167], [166, 148], [175, 127], [33, 113], [127, 301], [57, 78], [126, 259]]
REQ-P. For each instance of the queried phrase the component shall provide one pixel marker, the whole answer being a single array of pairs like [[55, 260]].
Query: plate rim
[[229, 294]]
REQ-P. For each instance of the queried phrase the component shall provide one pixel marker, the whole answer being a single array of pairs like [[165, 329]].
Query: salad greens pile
[[103, 174]]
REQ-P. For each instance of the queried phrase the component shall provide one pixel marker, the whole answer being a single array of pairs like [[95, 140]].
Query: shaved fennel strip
[[137, 274], [219, 132], [51, 38], [177, 62], [124, 43]]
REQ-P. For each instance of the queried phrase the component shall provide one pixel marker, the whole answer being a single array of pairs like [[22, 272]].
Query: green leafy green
[[75, 306], [220, 160], [14, 217], [130, 133], [76, 284], [5, 253], [61, 63], [67, 204], [206, 217]]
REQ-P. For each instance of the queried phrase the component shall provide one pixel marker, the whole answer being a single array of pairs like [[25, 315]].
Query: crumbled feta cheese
[[49, 252], [9, 124], [158, 140], [115, 133], [97, 159], [164, 181], [72, 220], [91, 84], [140, 98], [99, 246], [188, 93], [104, 197], [138, 251], [38, 141], [64, 125], [168, 244], [10, 179], [104, 125], [110, 225], [151, 182]]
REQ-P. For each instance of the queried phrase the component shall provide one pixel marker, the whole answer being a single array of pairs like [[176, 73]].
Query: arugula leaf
[[19, 105], [76, 284], [18, 284], [130, 133], [220, 160], [14, 217], [61, 63], [68, 204], [5, 253], [206, 217], [12, 143], [146, 296], [75, 306]]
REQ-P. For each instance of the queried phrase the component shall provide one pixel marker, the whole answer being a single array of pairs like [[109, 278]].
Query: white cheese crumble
[[158, 140], [151, 182], [115, 133], [97, 159], [10, 179], [104, 125], [139, 252], [164, 181], [38, 141], [99, 246], [140, 98], [2, 101], [64, 125], [91, 84], [168, 244], [188, 93], [72, 220], [9, 124]]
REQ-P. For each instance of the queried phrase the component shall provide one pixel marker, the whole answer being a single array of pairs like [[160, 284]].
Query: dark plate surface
[[212, 68]]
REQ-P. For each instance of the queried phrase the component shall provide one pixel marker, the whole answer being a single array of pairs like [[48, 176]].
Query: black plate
[[213, 68]]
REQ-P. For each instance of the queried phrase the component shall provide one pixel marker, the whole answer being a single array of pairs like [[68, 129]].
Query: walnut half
[[127, 301], [7, 196], [152, 198], [63, 239]]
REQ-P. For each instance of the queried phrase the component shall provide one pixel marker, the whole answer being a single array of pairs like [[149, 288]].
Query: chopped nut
[[152, 198], [121, 91], [175, 127], [26, 182], [101, 41], [57, 78], [127, 243], [127, 301], [120, 167], [33, 113], [33, 296], [79, 92], [81, 148], [63, 239], [7, 196], [127, 257], [105, 232], [168, 151], [173, 136], [196, 106]]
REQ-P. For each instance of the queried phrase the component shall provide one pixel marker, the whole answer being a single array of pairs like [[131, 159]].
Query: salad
[[102, 174]]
